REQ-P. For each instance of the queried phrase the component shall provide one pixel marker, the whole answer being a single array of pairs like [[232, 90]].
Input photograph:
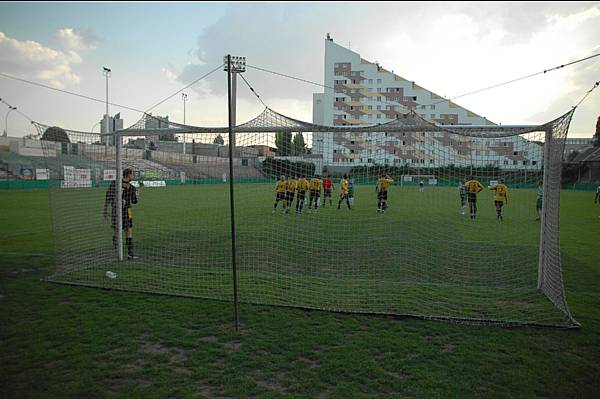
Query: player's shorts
[[498, 203], [279, 196], [289, 196], [301, 195], [315, 193], [327, 192], [472, 197], [538, 204], [126, 216], [343, 196], [382, 195]]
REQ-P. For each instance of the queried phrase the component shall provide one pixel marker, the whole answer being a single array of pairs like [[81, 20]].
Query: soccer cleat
[[132, 257]]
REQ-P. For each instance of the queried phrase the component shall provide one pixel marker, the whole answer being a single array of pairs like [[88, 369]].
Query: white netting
[[421, 257]]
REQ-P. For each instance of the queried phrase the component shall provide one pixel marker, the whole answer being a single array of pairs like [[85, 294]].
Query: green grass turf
[[420, 258], [63, 341]]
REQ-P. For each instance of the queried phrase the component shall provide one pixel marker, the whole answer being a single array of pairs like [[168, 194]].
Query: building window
[[378, 116], [370, 81], [432, 116], [433, 107], [379, 90], [505, 162], [533, 162], [378, 98]]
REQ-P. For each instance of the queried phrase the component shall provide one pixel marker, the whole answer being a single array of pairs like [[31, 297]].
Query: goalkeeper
[[129, 196]]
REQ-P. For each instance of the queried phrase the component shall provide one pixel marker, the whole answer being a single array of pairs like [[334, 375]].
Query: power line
[[516, 80], [103, 101], [588, 93], [68, 92], [252, 90], [183, 88], [446, 99], [392, 103]]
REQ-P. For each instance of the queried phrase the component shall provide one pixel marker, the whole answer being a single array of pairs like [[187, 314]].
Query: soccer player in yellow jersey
[[383, 185], [315, 192], [292, 184], [500, 197], [302, 189], [280, 190], [473, 187], [344, 192]]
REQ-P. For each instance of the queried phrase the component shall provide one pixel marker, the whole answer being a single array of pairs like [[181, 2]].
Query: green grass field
[[65, 341]]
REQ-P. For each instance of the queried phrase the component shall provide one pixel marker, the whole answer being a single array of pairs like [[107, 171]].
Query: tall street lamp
[[184, 98], [10, 109], [106, 72]]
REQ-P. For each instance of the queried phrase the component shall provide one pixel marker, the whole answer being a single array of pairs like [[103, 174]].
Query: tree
[[597, 134], [56, 133], [219, 140], [283, 142], [298, 144], [168, 137]]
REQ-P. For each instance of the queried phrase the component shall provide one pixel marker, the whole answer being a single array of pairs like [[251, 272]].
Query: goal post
[[364, 244]]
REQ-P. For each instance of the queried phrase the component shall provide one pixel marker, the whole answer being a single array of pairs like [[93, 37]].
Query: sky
[[155, 49]]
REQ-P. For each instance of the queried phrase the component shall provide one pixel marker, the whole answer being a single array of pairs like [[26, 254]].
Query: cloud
[[77, 39], [29, 59]]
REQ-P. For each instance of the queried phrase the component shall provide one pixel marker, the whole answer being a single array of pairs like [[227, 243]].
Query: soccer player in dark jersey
[[462, 191], [383, 185], [315, 192], [473, 187], [302, 189], [500, 198], [129, 196], [292, 184], [344, 192], [280, 190], [539, 200], [327, 187]]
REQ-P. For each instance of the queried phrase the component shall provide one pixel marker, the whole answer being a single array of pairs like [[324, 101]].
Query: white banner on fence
[[433, 182], [76, 184], [76, 178], [110, 174], [154, 183], [42, 174]]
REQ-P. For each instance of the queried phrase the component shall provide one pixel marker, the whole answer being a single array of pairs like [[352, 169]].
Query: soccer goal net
[[338, 227]]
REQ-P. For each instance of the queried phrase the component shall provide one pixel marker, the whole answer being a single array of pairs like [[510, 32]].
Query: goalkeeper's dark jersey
[[129, 195]]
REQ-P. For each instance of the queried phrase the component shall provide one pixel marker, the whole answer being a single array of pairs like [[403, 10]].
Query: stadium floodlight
[[238, 64]]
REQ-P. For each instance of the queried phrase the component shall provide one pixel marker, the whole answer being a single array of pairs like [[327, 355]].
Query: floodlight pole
[[231, 101], [184, 98]]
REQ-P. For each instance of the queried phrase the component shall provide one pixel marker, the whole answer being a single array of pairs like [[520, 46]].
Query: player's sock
[[129, 242]]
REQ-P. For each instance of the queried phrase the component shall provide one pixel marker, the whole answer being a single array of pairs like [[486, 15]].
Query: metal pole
[[231, 196], [545, 194], [119, 187], [233, 103], [184, 97]]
